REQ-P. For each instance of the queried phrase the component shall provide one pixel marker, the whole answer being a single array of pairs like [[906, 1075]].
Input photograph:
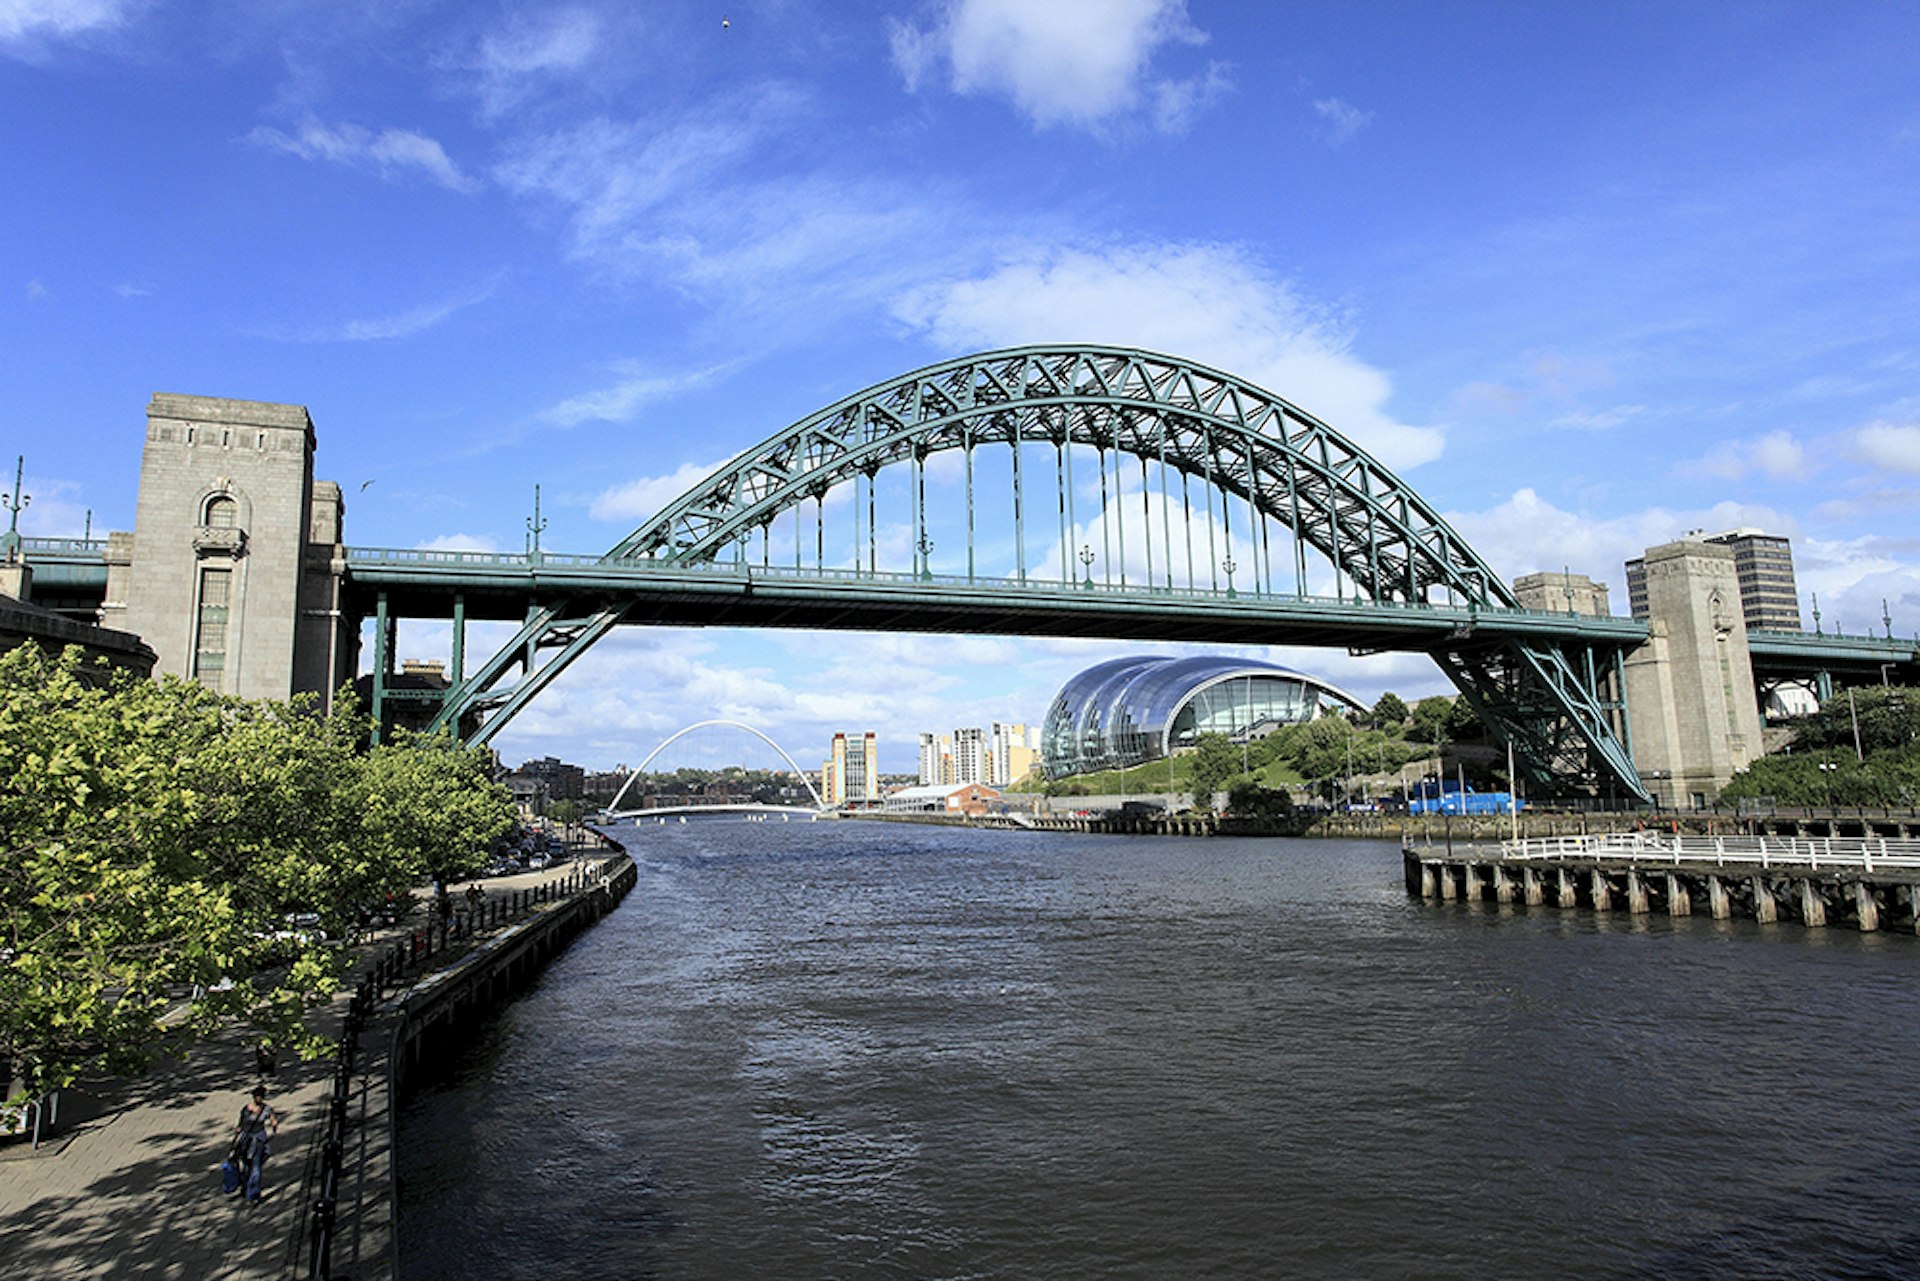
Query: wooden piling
[[1719, 902], [1812, 907], [1601, 892], [1765, 910], [1866, 908], [1679, 901], [1636, 893]]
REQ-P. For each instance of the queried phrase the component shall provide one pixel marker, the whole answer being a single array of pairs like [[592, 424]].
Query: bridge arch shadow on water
[[613, 812], [1053, 490]]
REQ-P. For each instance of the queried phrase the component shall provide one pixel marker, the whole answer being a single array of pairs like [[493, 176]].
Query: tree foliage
[[1215, 760], [1390, 712], [155, 835]]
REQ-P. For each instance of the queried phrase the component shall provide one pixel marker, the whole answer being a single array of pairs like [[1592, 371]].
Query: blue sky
[[1587, 276]]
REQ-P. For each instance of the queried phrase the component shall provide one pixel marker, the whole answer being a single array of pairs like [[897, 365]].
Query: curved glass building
[[1132, 710]]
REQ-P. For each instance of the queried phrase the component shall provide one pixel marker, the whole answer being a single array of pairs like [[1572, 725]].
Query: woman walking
[[257, 1124]]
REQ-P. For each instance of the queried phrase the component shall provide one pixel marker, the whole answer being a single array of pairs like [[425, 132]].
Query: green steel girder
[[1198, 422]]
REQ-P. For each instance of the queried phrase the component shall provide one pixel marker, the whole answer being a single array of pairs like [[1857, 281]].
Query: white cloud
[[639, 499], [1209, 303], [1065, 62], [512, 61], [25, 19], [1339, 121], [1777, 455], [1527, 534], [392, 153], [707, 203], [400, 324], [622, 401], [1894, 446], [459, 543]]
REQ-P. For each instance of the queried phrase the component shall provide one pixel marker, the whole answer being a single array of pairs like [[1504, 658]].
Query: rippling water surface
[[836, 1050]]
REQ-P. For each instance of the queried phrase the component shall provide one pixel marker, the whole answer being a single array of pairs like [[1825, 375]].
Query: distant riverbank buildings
[[999, 756], [1133, 710]]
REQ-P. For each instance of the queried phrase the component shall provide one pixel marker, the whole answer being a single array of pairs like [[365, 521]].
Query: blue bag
[[230, 1175]]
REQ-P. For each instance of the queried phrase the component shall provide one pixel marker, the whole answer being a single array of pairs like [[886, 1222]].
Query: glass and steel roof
[[1131, 710]]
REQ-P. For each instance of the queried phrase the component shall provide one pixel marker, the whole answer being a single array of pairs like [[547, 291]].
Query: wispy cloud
[[707, 203], [1212, 303], [622, 401], [399, 324], [529, 50], [395, 154], [1078, 63], [1340, 121], [26, 20]]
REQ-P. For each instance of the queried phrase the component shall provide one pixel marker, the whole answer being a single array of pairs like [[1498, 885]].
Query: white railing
[[1829, 853]]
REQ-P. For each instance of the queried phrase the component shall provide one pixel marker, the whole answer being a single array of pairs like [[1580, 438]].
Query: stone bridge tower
[[231, 572]]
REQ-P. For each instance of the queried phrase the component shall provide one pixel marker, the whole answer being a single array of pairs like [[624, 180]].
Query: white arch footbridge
[[613, 811]]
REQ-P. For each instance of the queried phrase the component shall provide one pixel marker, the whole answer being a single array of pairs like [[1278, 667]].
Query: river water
[[848, 1050]]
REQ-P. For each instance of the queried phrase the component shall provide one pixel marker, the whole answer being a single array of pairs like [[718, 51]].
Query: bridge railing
[[89, 547], [746, 571], [1871, 854]]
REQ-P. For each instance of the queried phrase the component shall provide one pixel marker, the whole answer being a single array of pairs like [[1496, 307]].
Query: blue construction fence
[[1438, 797]]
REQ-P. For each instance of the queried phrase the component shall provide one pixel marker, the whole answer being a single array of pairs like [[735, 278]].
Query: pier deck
[[1868, 883]]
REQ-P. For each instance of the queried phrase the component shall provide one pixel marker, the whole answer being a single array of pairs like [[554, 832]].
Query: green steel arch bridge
[[1058, 491]]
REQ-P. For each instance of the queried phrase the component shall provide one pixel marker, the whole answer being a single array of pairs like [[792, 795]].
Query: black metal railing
[[393, 965]]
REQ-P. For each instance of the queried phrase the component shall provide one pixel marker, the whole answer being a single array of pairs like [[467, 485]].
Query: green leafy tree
[[153, 836], [1389, 713], [429, 807], [1215, 760], [1429, 718]]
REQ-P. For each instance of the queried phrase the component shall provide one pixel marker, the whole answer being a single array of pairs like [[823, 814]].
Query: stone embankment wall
[[412, 1015]]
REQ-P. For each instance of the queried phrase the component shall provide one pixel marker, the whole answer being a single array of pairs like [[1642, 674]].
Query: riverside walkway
[[127, 1183]]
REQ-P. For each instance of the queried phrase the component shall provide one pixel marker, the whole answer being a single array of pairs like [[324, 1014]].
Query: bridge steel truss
[[1405, 580]]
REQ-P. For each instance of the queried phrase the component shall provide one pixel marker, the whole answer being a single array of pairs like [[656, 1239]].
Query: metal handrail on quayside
[[1864, 854]]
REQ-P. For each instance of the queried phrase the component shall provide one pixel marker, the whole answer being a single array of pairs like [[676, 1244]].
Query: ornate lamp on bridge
[[925, 548], [1228, 566], [534, 526], [15, 503], [1086, 560]]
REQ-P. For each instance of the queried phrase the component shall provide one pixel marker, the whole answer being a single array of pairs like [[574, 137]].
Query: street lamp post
[[1229, 566], [15, 502], [1086, 560], [1826, 773]]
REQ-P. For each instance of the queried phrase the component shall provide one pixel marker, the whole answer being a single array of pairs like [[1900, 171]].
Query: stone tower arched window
[[222, 512]]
